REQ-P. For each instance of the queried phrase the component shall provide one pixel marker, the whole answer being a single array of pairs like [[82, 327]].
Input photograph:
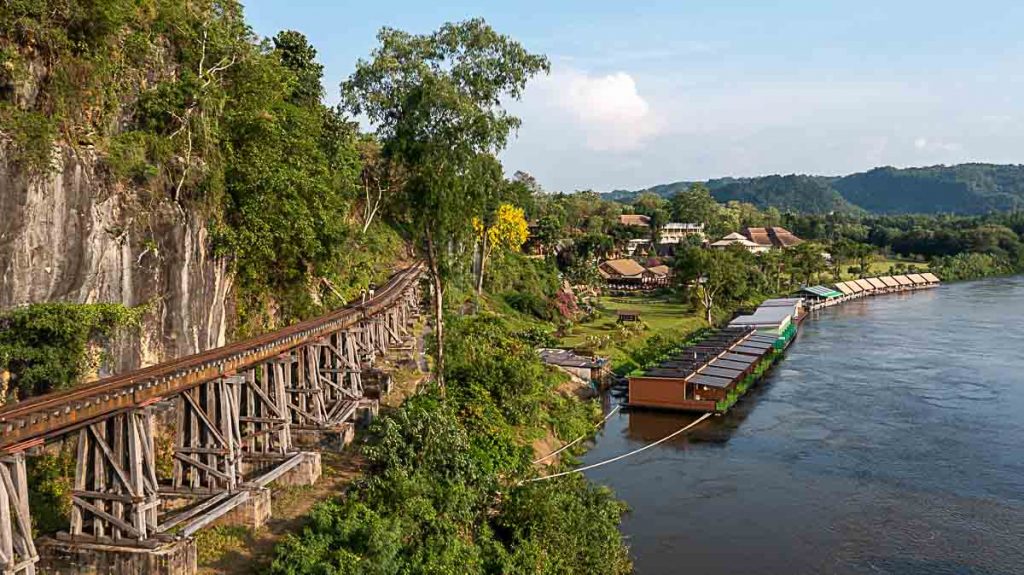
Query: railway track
[[33, 421]]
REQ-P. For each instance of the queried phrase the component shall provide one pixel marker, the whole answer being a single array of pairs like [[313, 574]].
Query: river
[[889, 440]]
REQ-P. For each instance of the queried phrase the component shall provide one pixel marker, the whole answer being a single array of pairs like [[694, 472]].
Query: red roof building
[[772, 237]]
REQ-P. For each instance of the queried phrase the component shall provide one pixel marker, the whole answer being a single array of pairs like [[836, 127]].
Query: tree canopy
[[435, 103]]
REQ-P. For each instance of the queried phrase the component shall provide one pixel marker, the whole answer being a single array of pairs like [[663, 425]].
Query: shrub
[[530, 304], [50, 479], [444, 491], [45, 346]]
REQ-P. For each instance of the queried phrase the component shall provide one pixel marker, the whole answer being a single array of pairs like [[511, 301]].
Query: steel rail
[[26, 423]]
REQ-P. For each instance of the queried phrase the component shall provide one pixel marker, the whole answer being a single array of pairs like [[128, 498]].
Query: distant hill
[[964, 188]]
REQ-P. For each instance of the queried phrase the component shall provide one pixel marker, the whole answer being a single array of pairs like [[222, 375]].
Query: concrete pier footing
[[76, 558], [334, 439], [306, 473], [253, 513]]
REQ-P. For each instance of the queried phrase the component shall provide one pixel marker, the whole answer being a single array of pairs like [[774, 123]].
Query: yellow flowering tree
[[508, 232]]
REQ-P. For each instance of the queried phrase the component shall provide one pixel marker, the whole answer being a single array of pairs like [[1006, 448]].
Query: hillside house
[[630, 275], [674, 232], [772, 237], [735, 239], [638, 246], [590, 369], [635, 220]]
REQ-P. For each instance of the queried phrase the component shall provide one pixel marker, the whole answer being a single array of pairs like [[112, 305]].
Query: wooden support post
[[305, 399], [115, 489], [18, 554], [281, 398], [207, 450], [351, 353], [262, 421]]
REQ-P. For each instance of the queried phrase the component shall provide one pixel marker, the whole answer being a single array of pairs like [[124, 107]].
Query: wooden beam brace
[[266, 400], [195, 463], [340, 356], [117, 522], [108, 453], [305, 413], [204, 418]]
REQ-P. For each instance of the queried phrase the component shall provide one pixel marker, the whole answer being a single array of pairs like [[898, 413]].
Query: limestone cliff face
[[73, 236]]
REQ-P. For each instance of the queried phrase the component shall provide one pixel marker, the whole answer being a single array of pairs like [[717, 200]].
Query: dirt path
[[238, 550], [233, 550]]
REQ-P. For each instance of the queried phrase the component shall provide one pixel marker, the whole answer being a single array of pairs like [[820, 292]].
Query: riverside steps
[[710, 375], [240, 418]]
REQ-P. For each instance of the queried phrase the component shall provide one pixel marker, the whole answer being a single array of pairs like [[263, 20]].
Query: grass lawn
[[660, 315], [880, 267]]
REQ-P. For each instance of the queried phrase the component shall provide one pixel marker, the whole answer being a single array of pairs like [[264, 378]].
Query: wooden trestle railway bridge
[[239, 415]]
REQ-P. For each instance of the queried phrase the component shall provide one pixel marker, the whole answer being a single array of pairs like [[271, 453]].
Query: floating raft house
[[709, 375], [820, 296], [712, 374], [871, 286]]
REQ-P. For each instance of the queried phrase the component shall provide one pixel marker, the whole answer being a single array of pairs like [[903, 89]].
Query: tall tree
[[696, 205], [806, 262], [299, 56], [657, 209], [842, 250], [507, 230], [379, 178], [435, 101], [713, 277]]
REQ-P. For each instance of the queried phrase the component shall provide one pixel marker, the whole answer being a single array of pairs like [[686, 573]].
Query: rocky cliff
[[71, 235]]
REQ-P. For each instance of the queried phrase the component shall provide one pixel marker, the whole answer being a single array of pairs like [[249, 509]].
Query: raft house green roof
[[821, 291], [709, 375]]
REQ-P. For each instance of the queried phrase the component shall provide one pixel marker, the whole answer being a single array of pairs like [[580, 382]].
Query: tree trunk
[[439, 332], [438, 312], [708, 301], [483, 264]]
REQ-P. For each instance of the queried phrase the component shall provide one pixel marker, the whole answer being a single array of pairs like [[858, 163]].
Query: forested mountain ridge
[[964, 188]]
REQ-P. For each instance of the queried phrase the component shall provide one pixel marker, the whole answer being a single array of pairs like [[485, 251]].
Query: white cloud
[[608, 111], [924, 144], [634, 129]]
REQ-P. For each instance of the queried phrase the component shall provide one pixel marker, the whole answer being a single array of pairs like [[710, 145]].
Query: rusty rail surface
[[32, 421]]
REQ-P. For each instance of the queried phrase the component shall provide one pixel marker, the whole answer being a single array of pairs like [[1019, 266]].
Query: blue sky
[[643, 93]]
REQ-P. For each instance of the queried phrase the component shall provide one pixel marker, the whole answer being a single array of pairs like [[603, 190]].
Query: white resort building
[[674, 232], [738, 239]]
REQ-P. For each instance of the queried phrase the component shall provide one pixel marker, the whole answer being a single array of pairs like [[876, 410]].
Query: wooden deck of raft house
[[703, 376]]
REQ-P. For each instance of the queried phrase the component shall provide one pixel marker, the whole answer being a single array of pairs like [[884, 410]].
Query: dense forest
[[960, 189]]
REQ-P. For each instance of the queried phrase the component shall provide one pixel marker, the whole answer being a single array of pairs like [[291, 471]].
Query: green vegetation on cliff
[[185, 106], [46, 347]]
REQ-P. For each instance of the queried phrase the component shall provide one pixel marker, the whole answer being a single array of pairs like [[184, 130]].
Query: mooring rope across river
[[624, 455], [580, 438]]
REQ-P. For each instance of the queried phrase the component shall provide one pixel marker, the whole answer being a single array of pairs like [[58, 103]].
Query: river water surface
[[890, 440]]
